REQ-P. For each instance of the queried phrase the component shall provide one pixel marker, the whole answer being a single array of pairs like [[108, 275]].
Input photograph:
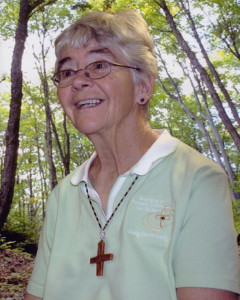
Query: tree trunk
[[43, 184], [12, 142], [12, 134], [211, 66], [50, 124], [67, 147], [52, 169], [204, 75], [64, 153], [199, 122]]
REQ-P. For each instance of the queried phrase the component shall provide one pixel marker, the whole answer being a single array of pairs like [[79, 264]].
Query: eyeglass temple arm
[[118, 65]]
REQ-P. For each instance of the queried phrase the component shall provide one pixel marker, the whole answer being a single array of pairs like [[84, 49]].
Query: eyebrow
[[62, 61], [101, 50], [91, 52]]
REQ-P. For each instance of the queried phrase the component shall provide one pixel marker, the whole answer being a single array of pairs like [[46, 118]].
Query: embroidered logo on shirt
[[158, 220]]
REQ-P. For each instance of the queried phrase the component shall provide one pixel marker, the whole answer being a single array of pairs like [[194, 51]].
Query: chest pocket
[[151, 221]]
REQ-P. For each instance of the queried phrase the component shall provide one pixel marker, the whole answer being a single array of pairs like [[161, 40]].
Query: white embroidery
[[143, 234], [148, 205]]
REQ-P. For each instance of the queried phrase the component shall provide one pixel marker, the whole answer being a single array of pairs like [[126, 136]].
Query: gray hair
[[126, 30]]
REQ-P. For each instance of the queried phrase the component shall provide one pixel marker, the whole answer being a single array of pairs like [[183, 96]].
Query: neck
[[117, 153]]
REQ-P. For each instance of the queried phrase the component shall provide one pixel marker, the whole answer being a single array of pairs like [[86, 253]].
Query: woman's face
[[110, 103]]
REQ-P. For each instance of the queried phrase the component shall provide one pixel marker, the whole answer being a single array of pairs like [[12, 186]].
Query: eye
[[97, 69], [98, 65], [67, 73]]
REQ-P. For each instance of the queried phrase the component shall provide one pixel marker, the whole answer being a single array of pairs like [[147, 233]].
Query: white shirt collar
[[161, 148]]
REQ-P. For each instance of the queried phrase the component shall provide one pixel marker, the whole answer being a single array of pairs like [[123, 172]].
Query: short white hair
[[125, 30]]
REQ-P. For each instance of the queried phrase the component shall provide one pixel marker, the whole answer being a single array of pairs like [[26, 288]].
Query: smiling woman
[[142, 218]]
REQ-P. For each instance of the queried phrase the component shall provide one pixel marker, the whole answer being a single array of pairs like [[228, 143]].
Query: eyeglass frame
[[85, 73]]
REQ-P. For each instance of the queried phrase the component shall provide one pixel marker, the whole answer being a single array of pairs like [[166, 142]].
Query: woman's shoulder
[[195, 160], [69, 181]]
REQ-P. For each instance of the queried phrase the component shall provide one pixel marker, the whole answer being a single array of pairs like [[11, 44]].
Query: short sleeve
[[206, 249], [37, 280]]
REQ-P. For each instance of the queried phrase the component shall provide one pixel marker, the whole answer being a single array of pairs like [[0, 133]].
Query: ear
[[144, 89]]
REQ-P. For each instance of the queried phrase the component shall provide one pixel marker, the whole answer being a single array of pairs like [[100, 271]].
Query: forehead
[[71, 55]]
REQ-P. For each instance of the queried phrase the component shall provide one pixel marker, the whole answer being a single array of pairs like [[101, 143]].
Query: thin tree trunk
[[210, 65], [208, 117], [204, 75], [219, 141], [67, 146], [64, 154], [231, 38], [12, 135], [199, 122], [64, 150], [44, 193], [52, 169]]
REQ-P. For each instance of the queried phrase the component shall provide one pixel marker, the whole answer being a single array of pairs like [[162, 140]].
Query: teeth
[[88, 103]]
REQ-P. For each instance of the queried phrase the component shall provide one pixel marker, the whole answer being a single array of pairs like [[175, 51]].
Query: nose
[[81, 80]]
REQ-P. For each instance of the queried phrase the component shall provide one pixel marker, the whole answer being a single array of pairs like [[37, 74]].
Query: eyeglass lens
[[95, 70]]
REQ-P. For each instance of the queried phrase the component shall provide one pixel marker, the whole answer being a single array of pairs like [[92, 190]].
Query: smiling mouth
[[88, 103]]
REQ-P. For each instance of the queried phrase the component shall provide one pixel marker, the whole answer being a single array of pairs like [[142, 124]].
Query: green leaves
[[8, 18], [182, 102]]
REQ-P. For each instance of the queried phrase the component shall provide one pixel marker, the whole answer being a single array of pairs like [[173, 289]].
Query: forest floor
[[15, 270]]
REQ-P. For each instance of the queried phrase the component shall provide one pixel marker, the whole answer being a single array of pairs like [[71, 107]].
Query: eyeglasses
[[95, 70]]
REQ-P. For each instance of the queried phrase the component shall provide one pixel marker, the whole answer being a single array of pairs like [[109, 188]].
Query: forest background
[[196, 98]]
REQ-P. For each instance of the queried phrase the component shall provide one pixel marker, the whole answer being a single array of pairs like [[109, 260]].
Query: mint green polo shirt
[[173, 229]]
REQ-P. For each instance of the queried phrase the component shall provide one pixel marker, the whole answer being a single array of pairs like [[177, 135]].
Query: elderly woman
[[146, 217]]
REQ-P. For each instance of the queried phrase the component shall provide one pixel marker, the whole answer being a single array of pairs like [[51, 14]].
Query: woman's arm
[[31, 297], [204, 294]]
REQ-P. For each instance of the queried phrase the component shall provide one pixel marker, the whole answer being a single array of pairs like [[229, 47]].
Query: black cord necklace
[[101, 256]]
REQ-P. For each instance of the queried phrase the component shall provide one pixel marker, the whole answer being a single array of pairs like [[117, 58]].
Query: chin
[[87, 128]]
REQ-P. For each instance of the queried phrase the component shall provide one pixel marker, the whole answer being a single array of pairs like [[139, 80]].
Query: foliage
[[5, 245], [236, 206], [32, 185], [236, 215], [9, 11], [16, 267], [181, 103]]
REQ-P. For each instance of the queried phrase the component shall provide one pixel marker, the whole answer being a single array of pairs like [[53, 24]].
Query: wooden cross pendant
[[100, 258]]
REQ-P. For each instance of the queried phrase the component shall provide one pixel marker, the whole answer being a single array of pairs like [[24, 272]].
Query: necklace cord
[[119, 203]]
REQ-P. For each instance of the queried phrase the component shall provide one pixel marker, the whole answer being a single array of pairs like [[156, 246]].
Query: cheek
[[62, 97], [123, 87], [60, 94]]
